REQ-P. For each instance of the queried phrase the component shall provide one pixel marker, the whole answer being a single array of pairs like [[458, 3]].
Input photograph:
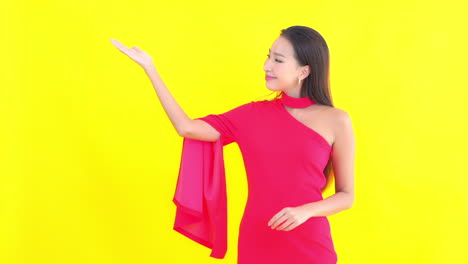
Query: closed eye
[[268, 55]]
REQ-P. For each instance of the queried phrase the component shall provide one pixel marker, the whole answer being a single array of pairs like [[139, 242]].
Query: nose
[[266, 66]]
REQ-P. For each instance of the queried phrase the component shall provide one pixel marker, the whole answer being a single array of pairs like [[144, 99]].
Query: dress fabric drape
[[284, 162]]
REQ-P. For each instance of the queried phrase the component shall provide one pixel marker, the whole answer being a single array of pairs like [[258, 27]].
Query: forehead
[[283, 46]]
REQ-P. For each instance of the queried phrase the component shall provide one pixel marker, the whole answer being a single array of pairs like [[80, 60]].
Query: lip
[[268, 77]]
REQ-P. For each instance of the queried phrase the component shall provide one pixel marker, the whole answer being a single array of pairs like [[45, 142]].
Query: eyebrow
[[276, 53]]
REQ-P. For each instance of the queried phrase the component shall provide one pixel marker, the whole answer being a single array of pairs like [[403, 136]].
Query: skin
[[332, 123]]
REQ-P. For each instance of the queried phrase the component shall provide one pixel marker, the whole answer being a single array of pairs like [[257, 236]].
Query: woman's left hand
[[291, 216]]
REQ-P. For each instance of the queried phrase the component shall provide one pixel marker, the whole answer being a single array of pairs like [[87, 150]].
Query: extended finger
[[275, 217], [291, 226], [285, 223], [279, 221], [120, 46]]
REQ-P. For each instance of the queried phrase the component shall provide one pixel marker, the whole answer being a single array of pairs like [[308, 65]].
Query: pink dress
[[284, 161]]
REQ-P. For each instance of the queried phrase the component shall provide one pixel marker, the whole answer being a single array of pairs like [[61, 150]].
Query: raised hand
[[136, 54]]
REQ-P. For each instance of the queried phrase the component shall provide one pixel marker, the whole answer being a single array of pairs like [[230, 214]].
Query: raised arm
[[183, 124]]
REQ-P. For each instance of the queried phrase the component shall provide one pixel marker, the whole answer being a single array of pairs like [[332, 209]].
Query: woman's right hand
[[136, 54]]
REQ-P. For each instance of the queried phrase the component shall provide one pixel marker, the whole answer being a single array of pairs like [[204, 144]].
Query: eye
[[268, 55]]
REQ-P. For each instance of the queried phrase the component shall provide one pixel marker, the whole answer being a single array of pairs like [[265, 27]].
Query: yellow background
[[89, 159]]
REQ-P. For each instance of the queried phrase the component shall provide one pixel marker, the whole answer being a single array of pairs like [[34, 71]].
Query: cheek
[[278, 69], [281, 71]]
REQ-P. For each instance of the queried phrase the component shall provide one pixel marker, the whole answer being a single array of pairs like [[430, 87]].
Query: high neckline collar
[[294, 102]]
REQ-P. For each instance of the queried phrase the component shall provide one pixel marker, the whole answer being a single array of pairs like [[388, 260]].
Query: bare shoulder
[[339, 115], [342, 125], [334, 114], [338, 120]]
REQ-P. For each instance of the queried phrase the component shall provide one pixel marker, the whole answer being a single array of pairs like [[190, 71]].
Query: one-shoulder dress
[[284, 161]]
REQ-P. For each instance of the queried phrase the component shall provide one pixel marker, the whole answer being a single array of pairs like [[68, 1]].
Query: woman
[[288, 145]]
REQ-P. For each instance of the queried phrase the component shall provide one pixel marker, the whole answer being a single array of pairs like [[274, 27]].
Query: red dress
[[284, 161]]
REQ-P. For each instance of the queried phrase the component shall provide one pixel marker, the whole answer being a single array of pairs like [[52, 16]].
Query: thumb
[[136, 48]]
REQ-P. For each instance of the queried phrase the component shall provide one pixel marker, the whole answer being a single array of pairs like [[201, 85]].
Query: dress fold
[[200, 195]]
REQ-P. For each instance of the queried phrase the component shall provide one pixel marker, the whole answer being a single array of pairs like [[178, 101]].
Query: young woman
[[288, 145]]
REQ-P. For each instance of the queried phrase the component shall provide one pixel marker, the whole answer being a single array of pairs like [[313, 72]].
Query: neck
[[295, 94], [295, 102]]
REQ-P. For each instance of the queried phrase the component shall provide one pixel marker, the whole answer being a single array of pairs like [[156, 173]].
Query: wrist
[[310, 209], [150, 68]]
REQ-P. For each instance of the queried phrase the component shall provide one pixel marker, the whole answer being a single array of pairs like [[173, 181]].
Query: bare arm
[[342, 156], [184, 125]]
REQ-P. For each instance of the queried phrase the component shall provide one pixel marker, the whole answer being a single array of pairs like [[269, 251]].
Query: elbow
[[183, 131], [350, 205], [349, 200]]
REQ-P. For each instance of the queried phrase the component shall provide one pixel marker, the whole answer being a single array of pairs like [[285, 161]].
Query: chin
[[273, 88]]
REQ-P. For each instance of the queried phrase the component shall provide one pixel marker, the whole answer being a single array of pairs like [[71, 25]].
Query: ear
[[306, 70]]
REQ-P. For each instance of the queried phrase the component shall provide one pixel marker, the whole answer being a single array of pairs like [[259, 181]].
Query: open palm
[[136, 54]]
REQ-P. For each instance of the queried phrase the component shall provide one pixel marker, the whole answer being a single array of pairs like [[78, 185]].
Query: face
[[281, 65]]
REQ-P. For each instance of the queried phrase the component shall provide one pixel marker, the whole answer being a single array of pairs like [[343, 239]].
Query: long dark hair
[[311, 49]]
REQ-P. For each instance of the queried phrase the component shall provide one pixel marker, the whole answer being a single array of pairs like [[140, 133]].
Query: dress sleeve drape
[[201, 197], [200, 194]]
